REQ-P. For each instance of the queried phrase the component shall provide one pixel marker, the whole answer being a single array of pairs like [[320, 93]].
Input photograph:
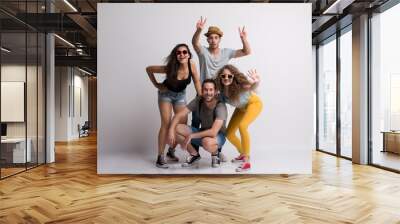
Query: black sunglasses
[[184, 52], [226, 76]]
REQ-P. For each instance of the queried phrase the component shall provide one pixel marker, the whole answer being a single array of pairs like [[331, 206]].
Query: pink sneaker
[[238, 159], [244, 167]]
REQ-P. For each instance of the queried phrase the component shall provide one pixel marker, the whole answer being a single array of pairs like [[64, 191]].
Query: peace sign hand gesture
[[200, 23], [242, 33]]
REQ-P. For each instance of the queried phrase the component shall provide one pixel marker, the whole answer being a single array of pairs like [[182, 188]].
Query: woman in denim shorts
[[179, 70]]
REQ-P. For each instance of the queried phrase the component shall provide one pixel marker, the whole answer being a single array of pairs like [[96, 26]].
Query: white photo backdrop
[[133, 36]]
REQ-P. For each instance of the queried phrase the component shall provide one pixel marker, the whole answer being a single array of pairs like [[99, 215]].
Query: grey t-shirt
[[207, 115], [209, 65]]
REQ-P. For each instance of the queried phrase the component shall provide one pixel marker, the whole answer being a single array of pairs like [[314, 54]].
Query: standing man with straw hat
[[212, 58]]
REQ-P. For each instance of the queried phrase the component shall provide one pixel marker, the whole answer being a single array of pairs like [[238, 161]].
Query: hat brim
[[208, 34]]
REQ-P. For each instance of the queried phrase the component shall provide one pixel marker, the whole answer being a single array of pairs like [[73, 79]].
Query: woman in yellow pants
[[237, 89]]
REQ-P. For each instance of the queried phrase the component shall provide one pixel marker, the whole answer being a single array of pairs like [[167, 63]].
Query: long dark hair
[[172, 62], [236, 88]]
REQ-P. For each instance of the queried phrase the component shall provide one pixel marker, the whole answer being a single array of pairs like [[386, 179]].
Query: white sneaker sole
[[162, 167], [242, 170], [216, 166], [194, 164], [222, 158]]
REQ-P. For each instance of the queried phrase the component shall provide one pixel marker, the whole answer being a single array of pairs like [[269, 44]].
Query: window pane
[[31, 101], [346, 93], [386, 88], [14, 153], [327, 96]]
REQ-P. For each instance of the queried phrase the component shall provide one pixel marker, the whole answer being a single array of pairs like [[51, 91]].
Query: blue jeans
[[196, 124], [197, 141], [172, 97]]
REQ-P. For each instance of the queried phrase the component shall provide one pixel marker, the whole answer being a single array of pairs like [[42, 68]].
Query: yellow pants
[[241, 120]]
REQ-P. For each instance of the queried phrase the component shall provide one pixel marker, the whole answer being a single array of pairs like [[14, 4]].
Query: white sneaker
[[161, 162], [239, 159], [243, 167], [191, 160], [215, 161], [222, 157]]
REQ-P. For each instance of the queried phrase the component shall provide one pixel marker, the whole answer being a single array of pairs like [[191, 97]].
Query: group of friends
[[219, 83]]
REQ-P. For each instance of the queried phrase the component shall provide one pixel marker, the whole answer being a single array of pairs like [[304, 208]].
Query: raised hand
[[242, 33], [253, 76], [200, 23]]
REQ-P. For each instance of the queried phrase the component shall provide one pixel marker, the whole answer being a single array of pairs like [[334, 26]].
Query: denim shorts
[[172, 97], [197, 141]]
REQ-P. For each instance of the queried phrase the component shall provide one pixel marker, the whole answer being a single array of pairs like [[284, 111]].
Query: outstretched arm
[[246, 46], [155, 69], [196, 36]]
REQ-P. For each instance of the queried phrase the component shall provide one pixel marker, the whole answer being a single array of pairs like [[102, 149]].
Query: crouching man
[[210, 135]]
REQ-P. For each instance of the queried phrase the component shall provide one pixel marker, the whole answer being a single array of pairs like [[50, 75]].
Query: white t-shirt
[[209, 65]]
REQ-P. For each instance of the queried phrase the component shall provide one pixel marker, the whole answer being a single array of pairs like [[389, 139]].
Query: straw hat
[[213, 30]]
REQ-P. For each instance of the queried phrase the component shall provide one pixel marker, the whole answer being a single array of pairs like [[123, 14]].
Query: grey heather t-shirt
[[209, 65], [207, 115]]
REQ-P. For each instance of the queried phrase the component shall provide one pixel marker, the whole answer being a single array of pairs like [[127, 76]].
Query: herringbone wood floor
[[70, 191]]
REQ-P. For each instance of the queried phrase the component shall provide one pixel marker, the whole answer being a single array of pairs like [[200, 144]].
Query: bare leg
[[165, 113], [178, 108], [182, 131], [210, 145]]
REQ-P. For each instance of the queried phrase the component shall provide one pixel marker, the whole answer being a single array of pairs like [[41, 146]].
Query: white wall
[[280, 37], [79, 117], [68, 81], [61, 103]]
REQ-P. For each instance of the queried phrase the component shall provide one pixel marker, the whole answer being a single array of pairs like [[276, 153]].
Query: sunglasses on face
[[226, 76], [184, 52]]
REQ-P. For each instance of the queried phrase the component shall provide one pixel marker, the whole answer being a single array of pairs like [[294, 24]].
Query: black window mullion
[[370, 90], [26, 86], [338, 92], [37, 90], [317, 96]]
